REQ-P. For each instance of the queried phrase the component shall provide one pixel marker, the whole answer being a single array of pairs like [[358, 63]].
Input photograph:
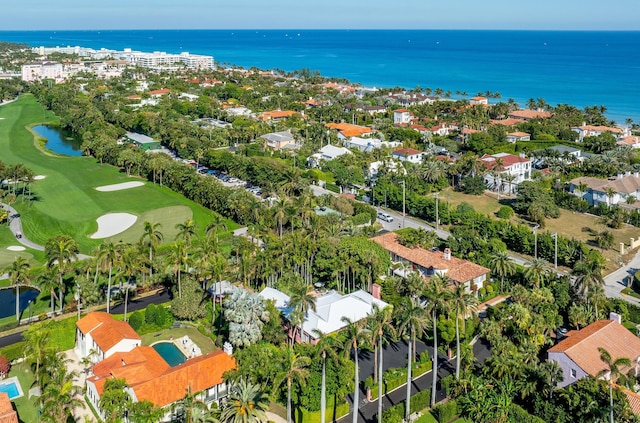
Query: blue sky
[[354, 14]]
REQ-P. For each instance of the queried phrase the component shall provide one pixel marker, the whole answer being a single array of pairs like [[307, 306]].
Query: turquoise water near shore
[[582, 68]]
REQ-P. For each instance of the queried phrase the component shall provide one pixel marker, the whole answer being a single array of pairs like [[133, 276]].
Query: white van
[[385, 216]]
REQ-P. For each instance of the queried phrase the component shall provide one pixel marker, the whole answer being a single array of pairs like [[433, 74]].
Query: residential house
[[621, 189], [100, 336], [374, 110], [506, 171], [330, 310], [278, 140], [389, 165], [478, 100], [514, 137], [276, 115], [632, 140], [408, 155], [405, 99], [159, 93], [347, 130], [429, 263], [150, 378], [7, 413], [328, 152], [505, 122], [578, 356], [595, 130], [368, 144], [401, 117], [525, 115], [465, 133]]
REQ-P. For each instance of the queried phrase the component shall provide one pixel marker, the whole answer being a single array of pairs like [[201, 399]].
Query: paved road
[[135, 304], [617, 280], [15, 224]]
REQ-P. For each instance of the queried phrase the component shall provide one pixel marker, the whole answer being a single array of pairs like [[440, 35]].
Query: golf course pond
[[59, 141]]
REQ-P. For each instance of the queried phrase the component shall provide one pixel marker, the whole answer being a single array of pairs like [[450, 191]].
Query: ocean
[[582, 68]]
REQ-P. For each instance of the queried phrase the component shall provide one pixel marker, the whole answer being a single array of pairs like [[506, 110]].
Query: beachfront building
[[326, 153], [630, 140], [506, 171], [595, 130], [331, 308], [142, 141], [99, 336], [401, 117], [429, 263], [620, 189], [278, 140], [405, 99], [410, 155], [478, 100], [578, 356], [526, 115]]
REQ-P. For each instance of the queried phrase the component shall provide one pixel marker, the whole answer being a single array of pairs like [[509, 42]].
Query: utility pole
[[437, 218], [555, 258], [403, 201], [535, 242]]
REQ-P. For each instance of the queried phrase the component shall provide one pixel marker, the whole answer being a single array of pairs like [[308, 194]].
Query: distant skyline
[[328, 14]]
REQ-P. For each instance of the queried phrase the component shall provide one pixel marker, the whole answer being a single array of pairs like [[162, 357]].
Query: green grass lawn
[[27, 411], [66, 199]]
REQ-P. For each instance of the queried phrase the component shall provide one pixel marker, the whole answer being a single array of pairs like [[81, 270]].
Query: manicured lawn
[[7, 257], [206, 344], [426, 417], [66, 199], [27, 411]]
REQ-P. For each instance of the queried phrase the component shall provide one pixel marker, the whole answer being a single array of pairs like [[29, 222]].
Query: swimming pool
[[11, 387], [170, 353]]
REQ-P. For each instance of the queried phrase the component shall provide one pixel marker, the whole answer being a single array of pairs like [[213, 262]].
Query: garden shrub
[[163, 317], [150, 314], [13, 352], [518, 414], [446, 412], [361, 219], [5, 366], [135, 320], [505, 212]]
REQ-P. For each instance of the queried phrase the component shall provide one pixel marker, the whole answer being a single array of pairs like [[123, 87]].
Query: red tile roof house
[[408, 155], [578, 355], [150, 378], [517, 167], [99, 332], [514, 137], [428, 263], [525, 115], [7, 413]]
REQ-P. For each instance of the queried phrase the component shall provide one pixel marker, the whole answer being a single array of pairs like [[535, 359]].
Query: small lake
[[8, 300], [59, 141]]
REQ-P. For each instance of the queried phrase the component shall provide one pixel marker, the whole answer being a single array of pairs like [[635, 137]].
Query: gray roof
[[140, 138], [278, 136], [562, 148]]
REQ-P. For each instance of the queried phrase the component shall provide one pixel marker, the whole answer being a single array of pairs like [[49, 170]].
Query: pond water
[[8, 300], [59, 141]]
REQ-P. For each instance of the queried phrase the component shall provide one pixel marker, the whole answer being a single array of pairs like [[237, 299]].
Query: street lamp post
[[437, 218], [535, 241], [77, 297], [403, 201], [555, 256]]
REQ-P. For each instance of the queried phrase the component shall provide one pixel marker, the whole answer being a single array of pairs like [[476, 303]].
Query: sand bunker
[[39, 177], [16, 248], [113, 223], [118, 187]]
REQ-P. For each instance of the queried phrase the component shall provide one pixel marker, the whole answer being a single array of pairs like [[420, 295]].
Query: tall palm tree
[[355, 333], [217, 224], [60, 397], [130, 263], [294, 368], [19, 275], [536, 272], [502, 265], [438, 295], [588, 273], [413, 321], [611, 373], [462, 302], [178, 258], [60, 251], [108, 255], [151, 237], [36, 348], [327, 345], [187, 231], [301, 301], [189, 406], [246, 403], [381, 327]]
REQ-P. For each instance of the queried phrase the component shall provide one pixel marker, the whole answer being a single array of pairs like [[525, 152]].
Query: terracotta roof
[[469, 131], [406, 152], [400, 111], [277, 114], [478, 98], [134, 97], [581, 346], [458, 270], [527, 114], [506, 122], [631, 140], [7, 413], [159, 92], [633, 399], [599, 129], [508, 160], [349, 130], [105, 330], [518, 134], [152, 379]]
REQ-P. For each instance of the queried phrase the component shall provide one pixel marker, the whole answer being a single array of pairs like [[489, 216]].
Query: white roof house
[[280, 298], [328, 152]]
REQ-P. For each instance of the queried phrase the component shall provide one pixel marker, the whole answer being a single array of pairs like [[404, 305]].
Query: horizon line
[[328, 29]]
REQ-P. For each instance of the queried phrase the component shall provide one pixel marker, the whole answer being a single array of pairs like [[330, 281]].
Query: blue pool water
[[11, 389], [170, 353]]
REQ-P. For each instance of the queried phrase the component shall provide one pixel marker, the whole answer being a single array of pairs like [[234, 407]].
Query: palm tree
[[246, 403], [108, 255], [48, 282], [437, 295], [611, 373], [36, 348], [19, 275], [301, 301], [380, 325], [60, 251], [355, 333], [130, 263], [60, 397], [178, 257], [502, 266], [610, 192], [294, 368], [588, 273], [326, 345], [189, 406], [413, 321], [462, 302], [536, 272], [152, 237], [186, 232], [217, 224]]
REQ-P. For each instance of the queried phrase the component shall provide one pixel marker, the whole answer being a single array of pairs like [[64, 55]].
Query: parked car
[[385, 216]]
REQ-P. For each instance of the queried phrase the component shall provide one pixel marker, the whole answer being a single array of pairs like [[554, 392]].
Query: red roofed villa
[[408, 155], [507, 171], [99, 335]]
